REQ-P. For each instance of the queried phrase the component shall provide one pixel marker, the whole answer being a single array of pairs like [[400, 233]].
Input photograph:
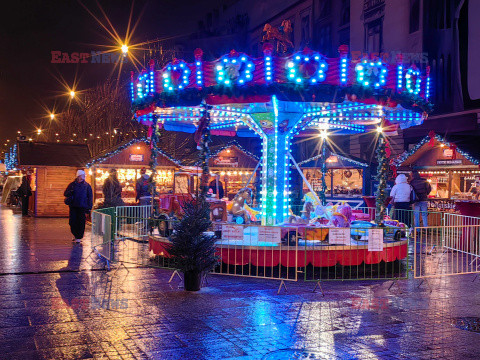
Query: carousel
[[280, 98]]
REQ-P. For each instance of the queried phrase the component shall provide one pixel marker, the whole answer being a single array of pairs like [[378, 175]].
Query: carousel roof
[[343, 94]]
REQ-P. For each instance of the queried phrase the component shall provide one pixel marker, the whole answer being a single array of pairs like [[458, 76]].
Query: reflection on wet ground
[[54, 306]]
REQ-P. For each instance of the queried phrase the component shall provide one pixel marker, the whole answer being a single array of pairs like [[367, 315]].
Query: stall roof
[[432, 147], [109, 153], [217, 145], [52, 154], [343, 161]]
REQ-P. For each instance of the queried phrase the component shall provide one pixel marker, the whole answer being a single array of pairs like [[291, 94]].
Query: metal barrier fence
[[102, 235], [449, 245]]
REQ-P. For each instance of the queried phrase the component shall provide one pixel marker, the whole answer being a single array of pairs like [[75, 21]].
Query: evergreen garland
[[153, 165], [322, 196], [205, 153], [381, 177]]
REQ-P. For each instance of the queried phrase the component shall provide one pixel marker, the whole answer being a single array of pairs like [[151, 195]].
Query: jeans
[[421, 206], [402, 216]]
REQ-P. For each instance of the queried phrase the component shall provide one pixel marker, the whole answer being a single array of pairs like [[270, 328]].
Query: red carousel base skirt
[[291, 256]]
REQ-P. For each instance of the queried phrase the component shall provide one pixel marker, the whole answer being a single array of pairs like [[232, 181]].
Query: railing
[[449, 245]]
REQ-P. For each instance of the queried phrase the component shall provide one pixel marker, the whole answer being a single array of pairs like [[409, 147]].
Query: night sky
[[31, 29]]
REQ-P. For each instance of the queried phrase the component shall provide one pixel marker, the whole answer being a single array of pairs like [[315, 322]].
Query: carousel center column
[[275, 162]]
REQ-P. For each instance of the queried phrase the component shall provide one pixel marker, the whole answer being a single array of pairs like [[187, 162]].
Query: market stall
[[453, 173], [347, 179], [53, 167], [234, 167], [128, 159]]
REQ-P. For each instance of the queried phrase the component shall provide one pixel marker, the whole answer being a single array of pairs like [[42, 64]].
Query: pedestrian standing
[[112, 191], [422, 188], [25, 191], [142, 188], [400, 194], [79, 197]]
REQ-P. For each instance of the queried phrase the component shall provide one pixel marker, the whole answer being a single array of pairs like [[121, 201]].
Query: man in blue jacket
[[79, 197]]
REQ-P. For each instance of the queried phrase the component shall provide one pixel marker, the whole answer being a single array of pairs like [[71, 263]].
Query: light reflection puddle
[[296, 354]]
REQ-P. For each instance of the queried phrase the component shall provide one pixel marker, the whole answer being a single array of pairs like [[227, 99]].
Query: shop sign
[[269, 234], [441, 204], [231, 161], [448, 153], [339, 236], [450, 162], [375, 240], [232, 232], [136, 157]]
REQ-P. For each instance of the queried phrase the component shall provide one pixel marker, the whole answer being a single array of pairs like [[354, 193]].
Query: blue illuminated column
[[399, 73], [198, 67], [275, 161], [427, 86], [151, 77]]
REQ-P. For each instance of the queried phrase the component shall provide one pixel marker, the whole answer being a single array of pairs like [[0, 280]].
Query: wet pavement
[[57, 304]]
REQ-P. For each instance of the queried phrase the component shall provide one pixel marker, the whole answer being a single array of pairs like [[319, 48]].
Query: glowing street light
[[39, 131], [379, 129], [323, 134], [124, 49], [52, 116], [72, 94]]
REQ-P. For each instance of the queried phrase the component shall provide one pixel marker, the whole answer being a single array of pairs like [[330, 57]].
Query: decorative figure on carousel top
[[280, 35]]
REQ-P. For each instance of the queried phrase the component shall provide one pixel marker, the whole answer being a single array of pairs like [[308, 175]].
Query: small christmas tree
[[192, 248]]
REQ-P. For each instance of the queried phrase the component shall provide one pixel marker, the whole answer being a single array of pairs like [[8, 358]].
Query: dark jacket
[[421, 187], [142, 187], [112, 192], [81, 193], [213, 186], [25, 190]]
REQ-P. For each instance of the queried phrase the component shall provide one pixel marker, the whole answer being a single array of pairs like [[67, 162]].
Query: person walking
[[422, 188], [79, 197], [400, 194], [25, 191], [142, 188], [112, 191]]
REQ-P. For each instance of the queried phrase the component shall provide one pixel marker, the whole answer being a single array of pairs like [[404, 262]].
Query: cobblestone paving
[[54, 307]]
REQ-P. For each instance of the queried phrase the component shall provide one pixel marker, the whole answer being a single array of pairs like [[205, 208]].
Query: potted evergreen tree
[[192, 248]]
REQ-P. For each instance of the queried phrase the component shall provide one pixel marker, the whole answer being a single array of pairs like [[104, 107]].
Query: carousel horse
[[238, 205], [281, 35]]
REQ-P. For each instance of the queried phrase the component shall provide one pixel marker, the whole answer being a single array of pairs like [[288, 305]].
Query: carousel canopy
[[334, 93]]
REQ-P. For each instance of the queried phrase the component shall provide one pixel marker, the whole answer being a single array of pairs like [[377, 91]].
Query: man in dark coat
[[142, 188], [112, 190], [25, 191], [422, 188], [79, 198], [213, 186]]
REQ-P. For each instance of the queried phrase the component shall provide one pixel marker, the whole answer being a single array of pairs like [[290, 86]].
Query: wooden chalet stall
[[53, 166], [229, 162], [346, 177], [128, 158], [453, 173], [234, 166]]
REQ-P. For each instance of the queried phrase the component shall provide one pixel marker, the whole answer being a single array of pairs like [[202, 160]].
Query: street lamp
[[379, 129], [52, 116], [39, 131], [72, 94], [124, 49]]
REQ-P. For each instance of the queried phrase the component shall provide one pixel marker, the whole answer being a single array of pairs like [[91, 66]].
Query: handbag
[[69, 198]]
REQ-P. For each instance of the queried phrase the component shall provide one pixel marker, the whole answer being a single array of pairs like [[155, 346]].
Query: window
[[414, 15], [374, 36], [305, 31], [325, 8], [325, 37], [345, 12]]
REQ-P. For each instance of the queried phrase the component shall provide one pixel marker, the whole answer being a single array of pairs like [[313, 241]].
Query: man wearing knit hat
[[79, 197]]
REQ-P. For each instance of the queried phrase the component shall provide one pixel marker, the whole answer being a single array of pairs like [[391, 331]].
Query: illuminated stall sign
[[450, 162], [136, 157], [230, 161]]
